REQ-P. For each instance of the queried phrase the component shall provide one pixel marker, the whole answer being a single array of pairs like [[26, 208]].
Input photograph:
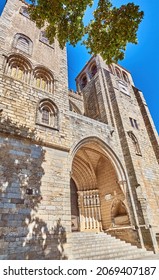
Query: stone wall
[[36, 158], [142, 167], [33, 206], [76, 102]]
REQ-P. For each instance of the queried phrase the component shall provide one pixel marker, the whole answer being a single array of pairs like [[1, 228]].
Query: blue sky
[[141, 60]]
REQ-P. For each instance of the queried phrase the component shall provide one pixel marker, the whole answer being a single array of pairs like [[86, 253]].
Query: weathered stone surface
[[86, 141]]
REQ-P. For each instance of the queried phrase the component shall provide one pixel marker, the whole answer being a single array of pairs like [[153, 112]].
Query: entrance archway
[[98, 184]]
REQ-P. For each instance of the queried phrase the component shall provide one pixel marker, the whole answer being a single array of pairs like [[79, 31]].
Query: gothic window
[[125, 76], [43, 79], [23, 43], [135, 143], [43, 38], [47, 114], [93, 70], [83, 81], [24, 11], [117, 71], [18, 67]]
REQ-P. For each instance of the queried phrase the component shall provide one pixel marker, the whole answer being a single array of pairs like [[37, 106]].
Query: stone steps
[[101, 246], [114, 256], [116, 252]]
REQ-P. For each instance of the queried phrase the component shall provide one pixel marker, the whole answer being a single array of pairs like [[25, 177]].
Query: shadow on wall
[[23, 234]]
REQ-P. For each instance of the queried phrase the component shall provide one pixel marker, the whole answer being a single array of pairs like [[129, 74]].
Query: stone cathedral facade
[[70, 162]]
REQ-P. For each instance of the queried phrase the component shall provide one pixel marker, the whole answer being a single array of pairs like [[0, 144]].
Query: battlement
[[75, 94]]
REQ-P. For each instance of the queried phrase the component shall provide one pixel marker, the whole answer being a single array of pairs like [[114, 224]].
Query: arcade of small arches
[[98, 189], [120, 74], [20, 68], [91, 73], [92, 70]]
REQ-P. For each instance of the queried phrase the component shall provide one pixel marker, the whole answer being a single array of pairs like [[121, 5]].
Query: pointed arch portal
[[98, 189]]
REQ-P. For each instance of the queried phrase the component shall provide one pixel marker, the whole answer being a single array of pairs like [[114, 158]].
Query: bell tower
[[111, 97], [36, 69]]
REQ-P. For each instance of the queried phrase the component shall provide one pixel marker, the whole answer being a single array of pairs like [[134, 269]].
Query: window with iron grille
[[45, 115]]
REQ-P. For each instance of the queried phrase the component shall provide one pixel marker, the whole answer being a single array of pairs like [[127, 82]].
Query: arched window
[[117, 71], [18, 67], [23, 43], [47, 114], [17, 71], [43, 38], [83, 81], [93, 70], [43, 79], [135, 143], [125, 76], [24, 11]]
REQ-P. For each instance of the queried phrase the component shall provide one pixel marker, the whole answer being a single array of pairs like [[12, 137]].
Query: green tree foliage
[[107, 34]]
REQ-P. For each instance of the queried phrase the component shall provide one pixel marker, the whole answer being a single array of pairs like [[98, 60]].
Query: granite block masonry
[[84, 161]]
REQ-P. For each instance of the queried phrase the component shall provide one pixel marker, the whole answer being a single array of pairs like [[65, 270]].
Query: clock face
[[123, 87]]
